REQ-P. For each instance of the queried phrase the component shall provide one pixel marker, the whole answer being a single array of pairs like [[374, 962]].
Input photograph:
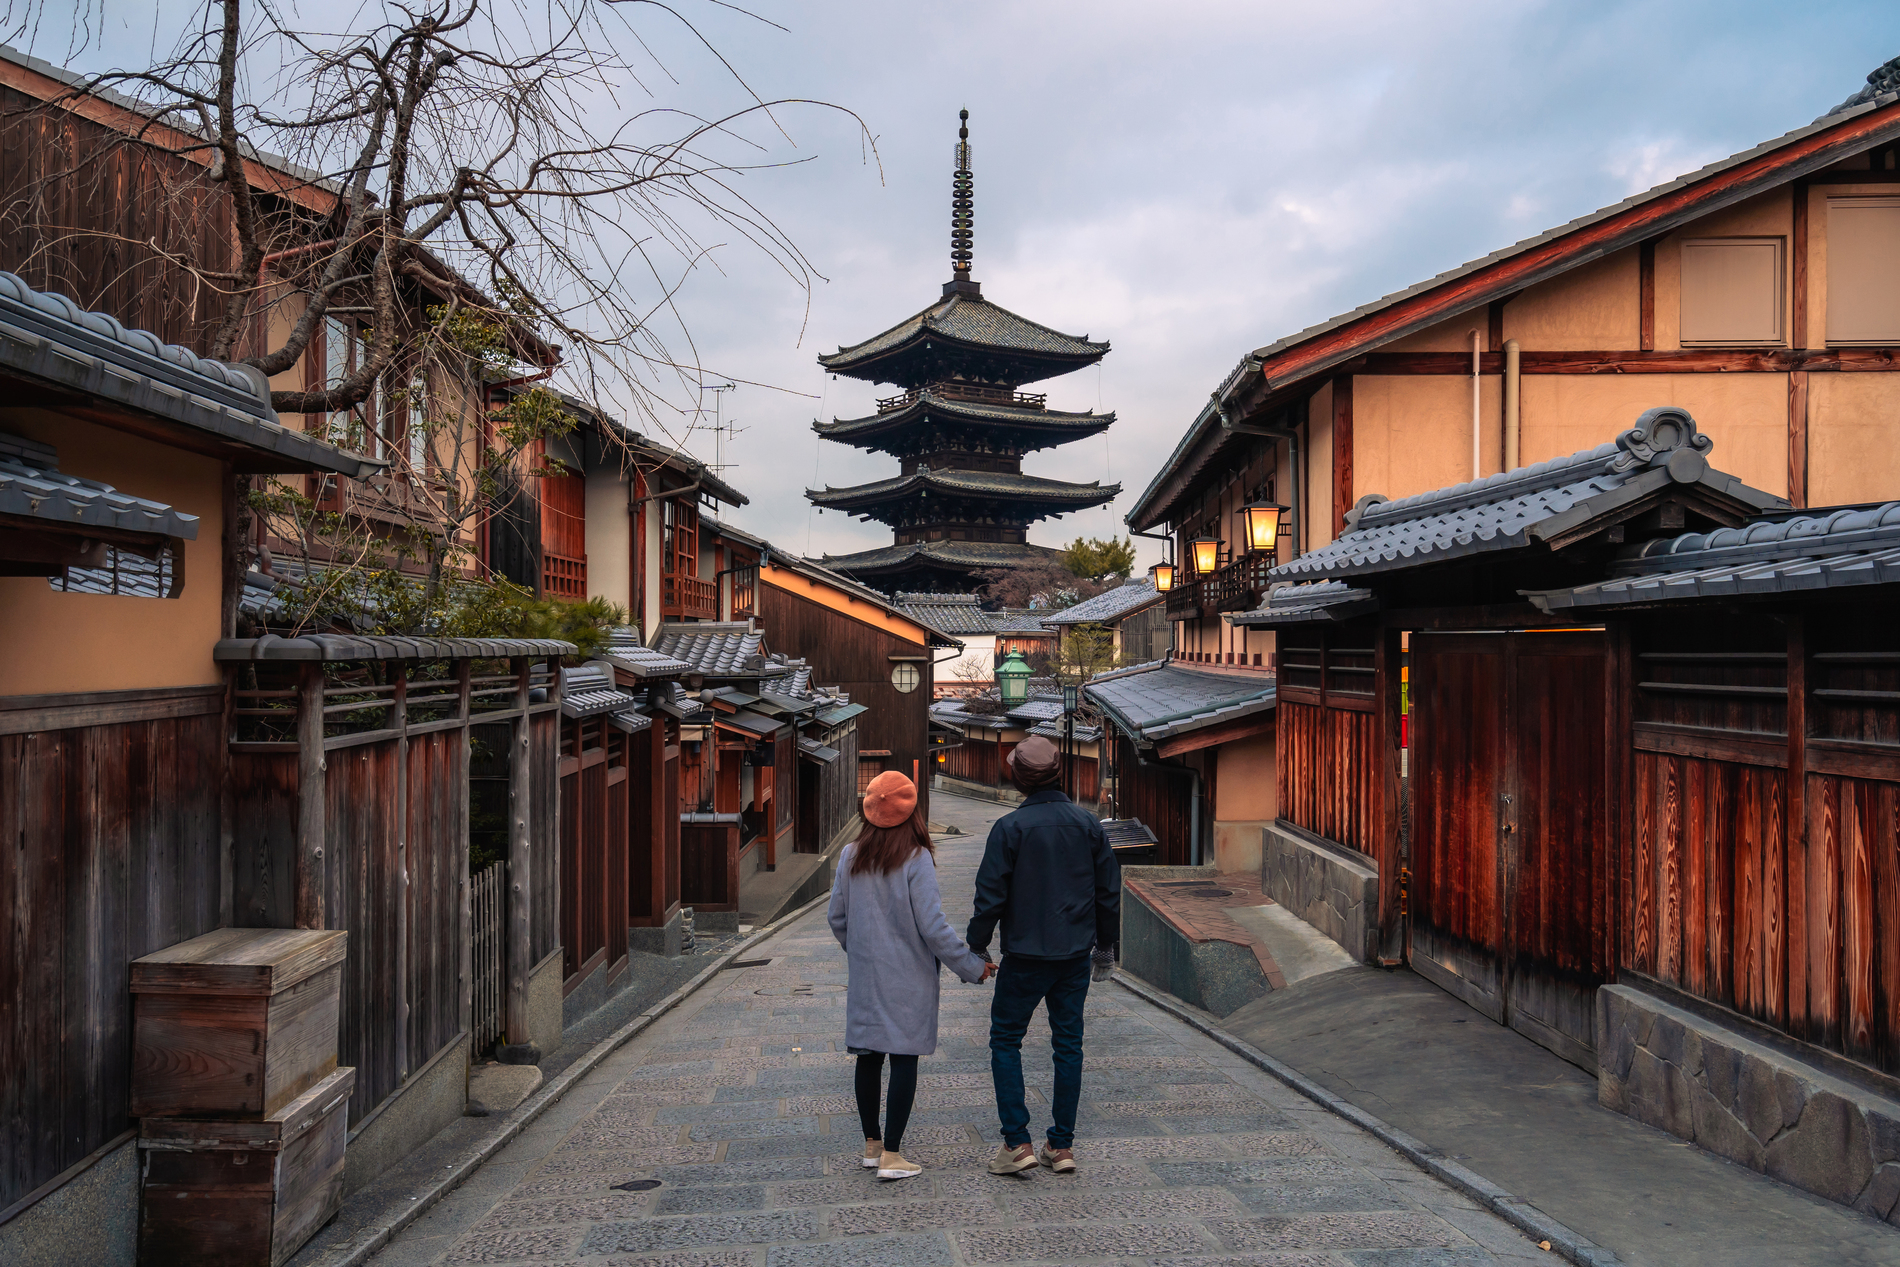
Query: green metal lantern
[[1012, 676]]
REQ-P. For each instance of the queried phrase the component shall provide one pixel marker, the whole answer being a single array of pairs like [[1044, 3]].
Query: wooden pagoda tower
[[960, 503]]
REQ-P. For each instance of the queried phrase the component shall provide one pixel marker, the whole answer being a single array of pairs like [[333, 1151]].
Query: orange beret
[[889, 799]]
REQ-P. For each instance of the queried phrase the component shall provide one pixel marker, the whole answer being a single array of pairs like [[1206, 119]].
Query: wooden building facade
[[1648, 772]]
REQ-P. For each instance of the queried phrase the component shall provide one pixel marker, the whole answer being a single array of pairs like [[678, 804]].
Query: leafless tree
[[453, 193]]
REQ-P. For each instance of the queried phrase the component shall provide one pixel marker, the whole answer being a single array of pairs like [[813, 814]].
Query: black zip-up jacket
[[1049, 877]]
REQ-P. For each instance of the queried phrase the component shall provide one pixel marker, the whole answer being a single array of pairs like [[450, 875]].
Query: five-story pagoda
[[960, 503]]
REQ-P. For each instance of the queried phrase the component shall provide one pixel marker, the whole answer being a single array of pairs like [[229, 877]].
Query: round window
[[905, 678]]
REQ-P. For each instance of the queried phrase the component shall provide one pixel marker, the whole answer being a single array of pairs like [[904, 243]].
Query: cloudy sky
[[1189, 180]]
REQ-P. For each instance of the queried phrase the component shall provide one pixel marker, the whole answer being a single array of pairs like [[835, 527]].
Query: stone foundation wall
[[1756, 1105], [1331, 887]]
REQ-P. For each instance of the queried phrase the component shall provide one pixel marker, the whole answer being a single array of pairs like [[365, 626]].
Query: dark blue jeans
[[1020, 985]]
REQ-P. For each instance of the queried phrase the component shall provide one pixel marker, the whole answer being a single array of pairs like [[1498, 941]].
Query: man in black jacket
[[1050, 879]]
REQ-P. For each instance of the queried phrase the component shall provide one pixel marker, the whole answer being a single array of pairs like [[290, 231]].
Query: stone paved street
[[740, 1105]]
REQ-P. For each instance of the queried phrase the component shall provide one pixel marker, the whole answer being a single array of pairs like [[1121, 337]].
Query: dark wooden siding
[[1771, 894], [855, 657], [1326, 736], [86, 213], [545, 922], [1160, 797], [111, 852]]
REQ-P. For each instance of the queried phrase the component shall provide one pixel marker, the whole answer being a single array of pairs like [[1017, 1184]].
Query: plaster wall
[[609, 538], [1588, 309], [79, 642], [1412, 433], [974, 666], [1851, 423], [1246, 800], [1317, 495], [649, 613], [1450, 335], [1745, 414]]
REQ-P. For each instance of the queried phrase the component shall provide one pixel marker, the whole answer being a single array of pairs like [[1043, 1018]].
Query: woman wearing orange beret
[[888, 915]]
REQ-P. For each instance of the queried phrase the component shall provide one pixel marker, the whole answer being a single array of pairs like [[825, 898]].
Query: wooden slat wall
[[437, 849], [111, 853], [365, 877], [1160, 799], [1790, 916], [85, 213], [1327, 765]]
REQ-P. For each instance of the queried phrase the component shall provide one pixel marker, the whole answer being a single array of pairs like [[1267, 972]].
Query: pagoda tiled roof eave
[[970, 322], [973, 484], [1066, 426]]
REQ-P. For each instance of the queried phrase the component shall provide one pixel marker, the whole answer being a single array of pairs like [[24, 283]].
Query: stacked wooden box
[[243, 1110]]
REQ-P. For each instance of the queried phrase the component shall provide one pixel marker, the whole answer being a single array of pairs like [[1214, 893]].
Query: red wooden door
[[1458, 742], [1513, 828]]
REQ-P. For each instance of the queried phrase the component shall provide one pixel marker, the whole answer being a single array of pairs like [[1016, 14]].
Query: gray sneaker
[[1060, 1160], [1011, 1160]]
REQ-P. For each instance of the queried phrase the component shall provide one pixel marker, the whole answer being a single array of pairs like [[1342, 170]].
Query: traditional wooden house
[[1134, 615], [1190, 754], [1748, 292], [866, 648], [117, 461], [987, 637], [1649, 777]]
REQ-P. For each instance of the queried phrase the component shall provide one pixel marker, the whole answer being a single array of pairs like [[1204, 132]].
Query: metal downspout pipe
[[1513, 404]]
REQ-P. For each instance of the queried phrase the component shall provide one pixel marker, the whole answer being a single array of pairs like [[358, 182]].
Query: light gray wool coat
[[894, 935]]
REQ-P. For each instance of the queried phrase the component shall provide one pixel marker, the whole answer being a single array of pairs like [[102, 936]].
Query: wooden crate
[[219, 1192], [236, 1023]]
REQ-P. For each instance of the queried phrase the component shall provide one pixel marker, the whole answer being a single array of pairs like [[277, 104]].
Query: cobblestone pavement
[[739, 1104]]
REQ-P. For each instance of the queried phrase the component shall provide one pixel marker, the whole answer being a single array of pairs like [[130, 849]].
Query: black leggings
[[903, 1094]]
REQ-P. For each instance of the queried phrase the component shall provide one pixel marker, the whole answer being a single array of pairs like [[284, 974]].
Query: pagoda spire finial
[[962, 205]]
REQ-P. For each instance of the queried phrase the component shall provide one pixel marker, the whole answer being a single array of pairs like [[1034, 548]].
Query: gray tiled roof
[[1833, 550], [1063, 427], [1110, 606], [1035, 710], [625, 648], [971, 554], [1160, 700], [1309, 603], [54, 340], [716, 649], [1519, 508], [816, 751], [969, 483], [334, 647], [1053, 730], [32, 487], [968, 319], [946, 613], [1022, 621], [589, 691], [1882, 81]]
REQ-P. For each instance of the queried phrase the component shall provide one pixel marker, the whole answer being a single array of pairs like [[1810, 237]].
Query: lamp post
[[1012, 678]]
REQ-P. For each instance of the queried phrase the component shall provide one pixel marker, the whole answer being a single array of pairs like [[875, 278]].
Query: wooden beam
[[1342, 450], [1494, 326], [399, 722], [1688, 361], [1798, 281], [1392, 851], [520, 862], [1491, 616], [311, 767], [1229, 732], [1798, 438], [1559, 254], [465, 708], [1646, 295]]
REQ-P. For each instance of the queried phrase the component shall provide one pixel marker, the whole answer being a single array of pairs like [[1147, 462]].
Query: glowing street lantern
[[1262, 521]]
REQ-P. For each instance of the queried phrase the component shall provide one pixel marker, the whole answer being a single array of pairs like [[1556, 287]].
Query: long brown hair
[[882, 850]]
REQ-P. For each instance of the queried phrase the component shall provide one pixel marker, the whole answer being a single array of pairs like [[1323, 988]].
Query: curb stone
[[1514, 1210], [373, 1237]]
